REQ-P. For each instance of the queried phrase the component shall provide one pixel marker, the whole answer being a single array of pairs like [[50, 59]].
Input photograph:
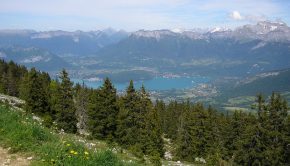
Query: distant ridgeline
[[134, 122]]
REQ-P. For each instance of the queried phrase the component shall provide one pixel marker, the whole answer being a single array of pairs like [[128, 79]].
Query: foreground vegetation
[[198, 134], [22, 133]]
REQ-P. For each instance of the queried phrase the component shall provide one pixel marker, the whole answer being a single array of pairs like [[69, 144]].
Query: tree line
[[136, 123]]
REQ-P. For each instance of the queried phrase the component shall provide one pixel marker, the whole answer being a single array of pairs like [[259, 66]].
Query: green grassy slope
[[22, 133]]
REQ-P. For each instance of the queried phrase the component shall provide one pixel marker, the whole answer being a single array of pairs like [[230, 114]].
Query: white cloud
[[236, 15]]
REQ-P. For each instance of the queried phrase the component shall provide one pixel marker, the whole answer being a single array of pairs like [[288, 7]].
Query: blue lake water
[[157, 83]]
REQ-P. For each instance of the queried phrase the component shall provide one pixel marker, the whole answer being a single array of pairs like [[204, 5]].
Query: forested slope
[[199, 134]]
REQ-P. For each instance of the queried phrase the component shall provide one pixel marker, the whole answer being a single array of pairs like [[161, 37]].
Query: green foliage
[[65, 108], [239, 138], [102, 111], [139, 125], [127, 129], [155, 159], [11, 76], [22, 133], [265, 142], [198, 134], [35, 94]]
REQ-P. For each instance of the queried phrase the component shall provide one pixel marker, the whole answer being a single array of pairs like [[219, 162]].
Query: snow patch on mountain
[[272, 28], [219, 29], [3, 55], [35, 59], [177, 30], [41, 36], [76, 39], [259, 45], [158, 34]]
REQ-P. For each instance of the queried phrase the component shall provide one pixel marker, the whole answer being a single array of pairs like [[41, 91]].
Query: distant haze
[[132, 15]]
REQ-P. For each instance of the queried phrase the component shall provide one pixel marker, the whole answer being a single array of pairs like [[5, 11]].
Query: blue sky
[[138, 14]]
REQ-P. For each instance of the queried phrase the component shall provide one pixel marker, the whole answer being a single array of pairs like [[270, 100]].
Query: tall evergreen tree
[[154, 145], [264, 143], [4, 83], [65, 109], [128, 130], [150, 127], [103, 112], [233, 133], [53, 98], [160, 107], [36, 97]]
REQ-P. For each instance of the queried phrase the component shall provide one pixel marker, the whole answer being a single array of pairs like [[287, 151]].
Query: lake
[[157, 83]]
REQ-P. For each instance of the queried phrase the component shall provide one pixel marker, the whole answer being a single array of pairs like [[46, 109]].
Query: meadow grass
[[21, 133]]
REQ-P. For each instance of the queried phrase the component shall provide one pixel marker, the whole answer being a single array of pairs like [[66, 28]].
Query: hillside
[[242, 94], [57, 112], [268, 82], [24, 134], [24, 141], [34, 57]]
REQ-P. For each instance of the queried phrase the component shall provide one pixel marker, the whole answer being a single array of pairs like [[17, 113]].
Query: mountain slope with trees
[[199, 134]]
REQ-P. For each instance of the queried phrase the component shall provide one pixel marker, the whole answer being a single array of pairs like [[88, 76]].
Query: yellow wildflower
[[67, 144], [86, 153], [72, 151], [75, 153]]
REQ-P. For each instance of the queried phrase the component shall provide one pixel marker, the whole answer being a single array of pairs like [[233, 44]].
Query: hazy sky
[[137, 14]]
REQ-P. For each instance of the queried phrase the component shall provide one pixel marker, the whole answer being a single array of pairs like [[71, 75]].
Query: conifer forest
[[133, 121]]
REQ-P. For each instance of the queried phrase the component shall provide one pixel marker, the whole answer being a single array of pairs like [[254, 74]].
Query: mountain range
[[244, 51], [63, 43]]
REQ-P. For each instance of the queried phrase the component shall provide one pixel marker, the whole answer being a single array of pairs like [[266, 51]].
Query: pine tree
[[276, 125], [10, 77], [4, 84], [171, 117], [155, 144], [36, 97], [103, 111], [127, 128], [53, 98], [251, 151], [233, 133], [64, 105], [186, 137], [264, 143], [149, 119], [160, 107], [286, 148], [146, 107]]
